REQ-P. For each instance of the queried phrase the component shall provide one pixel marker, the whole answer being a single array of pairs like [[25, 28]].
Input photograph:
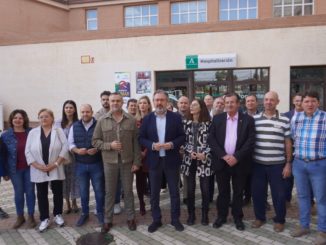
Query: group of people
[[245, 150]]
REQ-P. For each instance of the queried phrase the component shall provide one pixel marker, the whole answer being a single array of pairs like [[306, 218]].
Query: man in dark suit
[[162, 134], [231, 138], [296, 101]]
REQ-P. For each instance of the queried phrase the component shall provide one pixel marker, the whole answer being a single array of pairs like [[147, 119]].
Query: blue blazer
[[10, 150], [173, 133], [289, 114], [3, 170]]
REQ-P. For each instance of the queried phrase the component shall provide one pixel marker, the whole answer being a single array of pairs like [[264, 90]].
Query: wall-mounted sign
[[86, 59], [122, 83], [211, 61], [143, 82]]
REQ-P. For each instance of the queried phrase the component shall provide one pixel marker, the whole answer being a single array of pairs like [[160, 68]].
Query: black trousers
[[211, 187], [204, 188], [247, 188], [172, 176], [224, 178], [43, 200]]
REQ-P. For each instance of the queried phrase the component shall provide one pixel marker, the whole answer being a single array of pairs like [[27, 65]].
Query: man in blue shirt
[[309, 165]]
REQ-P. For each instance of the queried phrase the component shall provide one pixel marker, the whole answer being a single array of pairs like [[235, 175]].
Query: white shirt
[[160, 125], [71, 140]]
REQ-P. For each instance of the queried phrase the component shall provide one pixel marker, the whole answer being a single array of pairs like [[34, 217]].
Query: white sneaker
[[117, 208], [59, 220], [44, 225]]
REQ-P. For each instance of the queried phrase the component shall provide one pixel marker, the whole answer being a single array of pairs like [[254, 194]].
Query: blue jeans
[[22, 184], [91, 172], [261, 176], [305, 174]]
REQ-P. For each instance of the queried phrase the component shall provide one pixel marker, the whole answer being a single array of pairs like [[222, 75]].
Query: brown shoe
[[132, 225], [321, 238], [278, 227], [313, 210], [257, 223], [106, 227], [19, 221], [299, 231], [31, 222]]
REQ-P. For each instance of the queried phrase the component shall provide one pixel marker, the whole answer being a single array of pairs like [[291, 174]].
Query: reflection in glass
[[288, 11], [297, 11], [308, 10]]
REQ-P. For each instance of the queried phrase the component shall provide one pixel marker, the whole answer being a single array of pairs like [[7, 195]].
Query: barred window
[[238, 9], [282, 8], [189, 12], [144, 15]]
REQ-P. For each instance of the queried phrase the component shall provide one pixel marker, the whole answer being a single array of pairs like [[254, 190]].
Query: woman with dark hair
[[197, 158], [14, 141], [143, 108], [70, 184]]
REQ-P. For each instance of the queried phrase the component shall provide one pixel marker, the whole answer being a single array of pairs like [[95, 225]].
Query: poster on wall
[[143, 82], [122, 83]]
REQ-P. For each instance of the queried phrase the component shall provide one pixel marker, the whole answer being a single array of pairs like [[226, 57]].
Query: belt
[[311, 160]]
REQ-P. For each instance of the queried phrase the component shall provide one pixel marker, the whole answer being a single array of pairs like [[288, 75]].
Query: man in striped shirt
[[309, 165], [272, 161]]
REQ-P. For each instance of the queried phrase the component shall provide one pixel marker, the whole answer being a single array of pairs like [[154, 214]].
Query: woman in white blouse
[[46, 150]]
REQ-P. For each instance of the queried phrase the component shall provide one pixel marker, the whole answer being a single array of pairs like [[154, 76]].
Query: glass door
[[305, 79]]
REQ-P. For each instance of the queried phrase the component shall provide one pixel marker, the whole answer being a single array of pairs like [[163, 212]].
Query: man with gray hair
[[116, 136], [162, 134]]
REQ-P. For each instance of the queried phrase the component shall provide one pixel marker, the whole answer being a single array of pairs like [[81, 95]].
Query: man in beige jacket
[[116, 135]]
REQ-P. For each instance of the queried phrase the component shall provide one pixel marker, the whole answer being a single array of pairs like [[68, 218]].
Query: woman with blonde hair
[[46, 150], [143, 108]]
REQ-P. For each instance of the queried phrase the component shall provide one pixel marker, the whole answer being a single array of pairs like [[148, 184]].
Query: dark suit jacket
[[244, 146], [289, 114], [173, 133]]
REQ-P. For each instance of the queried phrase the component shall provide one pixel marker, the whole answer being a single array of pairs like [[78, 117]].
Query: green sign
[[192, 61]]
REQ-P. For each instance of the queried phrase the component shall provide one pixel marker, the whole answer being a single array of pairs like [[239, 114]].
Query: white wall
[[45, 75]]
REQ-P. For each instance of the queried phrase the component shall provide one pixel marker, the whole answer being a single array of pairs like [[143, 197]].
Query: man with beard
[[116, 136], [105, 105], [162, 134]]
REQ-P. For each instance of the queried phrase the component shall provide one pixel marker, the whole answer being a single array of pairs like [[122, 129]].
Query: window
[[238, 9], [91, 20], [309, 78], [145, 15], [189, 12], [198, 83], [293, 7]]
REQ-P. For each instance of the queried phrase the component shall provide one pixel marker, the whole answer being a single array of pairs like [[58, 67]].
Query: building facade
[[57, 50]]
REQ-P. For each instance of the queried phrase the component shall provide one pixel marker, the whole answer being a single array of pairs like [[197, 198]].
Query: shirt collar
[[313, 115], [161, 115], [276, 115], [89, 123], [235, 117]]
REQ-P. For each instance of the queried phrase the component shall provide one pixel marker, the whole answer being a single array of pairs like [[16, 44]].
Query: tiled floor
[[196, 234]]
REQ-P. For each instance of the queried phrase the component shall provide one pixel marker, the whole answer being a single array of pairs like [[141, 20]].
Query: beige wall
[[44, 75]]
